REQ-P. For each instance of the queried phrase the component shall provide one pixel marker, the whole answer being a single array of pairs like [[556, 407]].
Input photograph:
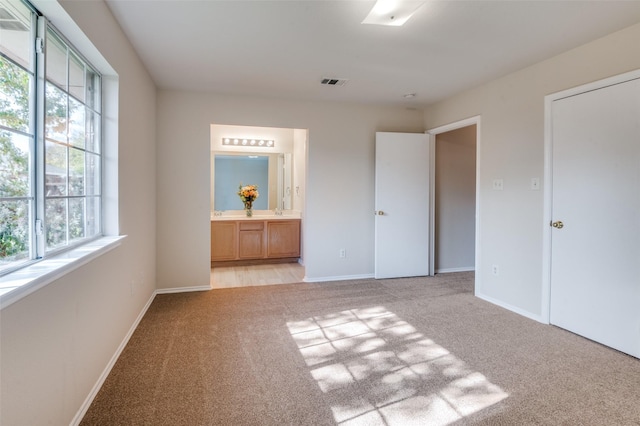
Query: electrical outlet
[[498, 184], [495, 270], [342, 253]]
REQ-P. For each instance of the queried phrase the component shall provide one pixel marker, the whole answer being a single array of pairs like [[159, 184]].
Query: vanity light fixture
[[392, 13], [264, 143]]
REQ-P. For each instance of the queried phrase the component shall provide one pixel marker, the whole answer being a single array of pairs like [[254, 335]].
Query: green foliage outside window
[[56, 180], [14, 161]]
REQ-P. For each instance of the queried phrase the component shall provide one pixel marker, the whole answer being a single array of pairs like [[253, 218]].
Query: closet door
[[402, 205], [595, 243]]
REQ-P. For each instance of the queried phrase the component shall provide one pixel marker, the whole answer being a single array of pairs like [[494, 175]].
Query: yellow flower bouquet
[[248, 194]]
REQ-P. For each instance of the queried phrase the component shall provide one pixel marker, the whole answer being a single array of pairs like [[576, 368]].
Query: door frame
[[545, 312], [432, 212]]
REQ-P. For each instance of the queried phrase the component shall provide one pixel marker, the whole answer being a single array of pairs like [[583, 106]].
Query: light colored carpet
[[407, 351]]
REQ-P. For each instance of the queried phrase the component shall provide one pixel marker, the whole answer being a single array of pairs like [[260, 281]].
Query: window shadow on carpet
[[375, 368]]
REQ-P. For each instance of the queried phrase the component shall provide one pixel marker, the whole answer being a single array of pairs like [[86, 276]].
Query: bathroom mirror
[[271, 172]]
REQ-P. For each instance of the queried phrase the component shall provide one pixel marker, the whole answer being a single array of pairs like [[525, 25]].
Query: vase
[[247, 209]]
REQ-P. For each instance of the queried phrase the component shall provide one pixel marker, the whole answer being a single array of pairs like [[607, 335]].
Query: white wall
[[455, 197], [512, 148], [56, 342], [339, 187], [299, 169]]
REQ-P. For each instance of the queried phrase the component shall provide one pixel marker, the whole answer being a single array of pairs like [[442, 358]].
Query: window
[[50, 145]]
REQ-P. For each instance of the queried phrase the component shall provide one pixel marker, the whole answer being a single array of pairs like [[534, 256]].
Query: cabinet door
[[224, 240], [251, 245], [283, 238], [251, 239]]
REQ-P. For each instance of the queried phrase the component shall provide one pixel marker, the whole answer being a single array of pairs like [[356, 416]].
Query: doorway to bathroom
[[266, 248]]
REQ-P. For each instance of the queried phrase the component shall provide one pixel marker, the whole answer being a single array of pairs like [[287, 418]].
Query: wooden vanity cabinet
[[255, 241], [251, 240], [224, 240], [283, 238]]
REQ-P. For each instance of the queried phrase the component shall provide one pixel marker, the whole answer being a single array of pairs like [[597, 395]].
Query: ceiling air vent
[[334, 81]]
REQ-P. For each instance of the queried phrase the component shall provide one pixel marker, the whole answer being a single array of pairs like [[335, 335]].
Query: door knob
[[380, 213], [557, 224]]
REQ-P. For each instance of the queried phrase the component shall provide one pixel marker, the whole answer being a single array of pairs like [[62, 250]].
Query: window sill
[[23, 282]]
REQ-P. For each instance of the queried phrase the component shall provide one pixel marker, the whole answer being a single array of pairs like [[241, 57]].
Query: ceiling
[[283, 49]]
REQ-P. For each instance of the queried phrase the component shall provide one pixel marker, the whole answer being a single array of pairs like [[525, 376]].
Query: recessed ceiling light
[[392, 12], [409, 96]]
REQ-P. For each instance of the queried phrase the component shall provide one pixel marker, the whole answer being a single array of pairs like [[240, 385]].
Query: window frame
[[32, 68], [45, 265], [41, 197]]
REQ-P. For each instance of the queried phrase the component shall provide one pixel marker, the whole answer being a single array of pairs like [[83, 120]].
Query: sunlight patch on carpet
[[375, 368]]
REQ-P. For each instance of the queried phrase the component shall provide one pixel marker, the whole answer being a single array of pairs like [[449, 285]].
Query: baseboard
[[337, 278], [511, 308], [94, 391], [449, 270], [182, 289], [251, 262]]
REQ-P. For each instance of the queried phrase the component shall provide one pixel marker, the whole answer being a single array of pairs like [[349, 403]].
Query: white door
[[595, 285], [402, 205]]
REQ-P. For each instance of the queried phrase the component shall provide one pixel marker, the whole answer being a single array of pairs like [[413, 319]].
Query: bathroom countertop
[[255, 216]]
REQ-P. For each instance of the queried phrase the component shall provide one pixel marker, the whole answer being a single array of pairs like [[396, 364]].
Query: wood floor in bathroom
[[256, 275]]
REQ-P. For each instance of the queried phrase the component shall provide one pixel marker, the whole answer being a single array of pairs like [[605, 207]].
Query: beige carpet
[[420, 351]]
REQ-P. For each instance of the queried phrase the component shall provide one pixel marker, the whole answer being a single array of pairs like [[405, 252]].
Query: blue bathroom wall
[[231, 171]]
